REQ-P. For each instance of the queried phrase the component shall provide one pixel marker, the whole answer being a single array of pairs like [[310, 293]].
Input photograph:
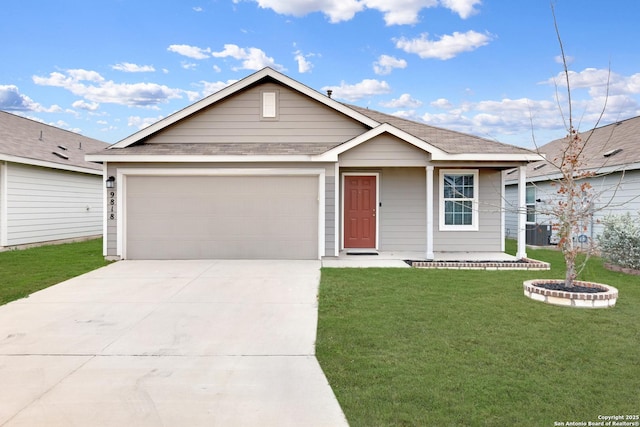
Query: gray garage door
[[227, 217]]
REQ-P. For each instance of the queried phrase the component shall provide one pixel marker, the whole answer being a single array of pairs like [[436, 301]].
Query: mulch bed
[[575, 288]]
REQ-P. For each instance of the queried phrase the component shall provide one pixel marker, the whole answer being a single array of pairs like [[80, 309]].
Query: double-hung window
[[459, 200]]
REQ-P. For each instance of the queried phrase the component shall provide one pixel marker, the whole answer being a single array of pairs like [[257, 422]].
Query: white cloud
[[193, 52], [83, 105], [213, 87], [93, 87], [142, 122], [396, 12], [304, 66], [442, 103], [400, 12], [128, 67], [252, 58], [12, 100], [385, 64], [404, 101], [464, 8], [599, 82], [336, 10], [365, 88], [197, 9], [514, 120], [447, 47]]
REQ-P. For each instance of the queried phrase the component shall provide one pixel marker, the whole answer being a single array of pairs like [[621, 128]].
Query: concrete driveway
[[168, 343]]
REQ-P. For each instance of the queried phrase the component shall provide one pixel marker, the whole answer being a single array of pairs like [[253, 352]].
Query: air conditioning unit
[[538, 234]]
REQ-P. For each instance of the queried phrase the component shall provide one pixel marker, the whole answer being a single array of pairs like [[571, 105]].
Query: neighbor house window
[[531, 204], [459, 200]]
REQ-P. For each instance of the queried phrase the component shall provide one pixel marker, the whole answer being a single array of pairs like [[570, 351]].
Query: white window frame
[[474, 205], [270, 105]]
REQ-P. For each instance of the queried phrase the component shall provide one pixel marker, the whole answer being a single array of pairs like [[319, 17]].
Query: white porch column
[[522, 212], [429, 254]]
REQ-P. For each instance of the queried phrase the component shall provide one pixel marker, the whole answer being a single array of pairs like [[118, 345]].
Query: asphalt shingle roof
[[623, 136], [452, 142], [218, 149], [31, 140]]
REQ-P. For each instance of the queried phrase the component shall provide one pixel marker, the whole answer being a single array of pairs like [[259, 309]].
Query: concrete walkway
[[168, 343]]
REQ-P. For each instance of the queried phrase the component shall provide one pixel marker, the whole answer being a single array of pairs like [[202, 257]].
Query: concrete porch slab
[[397, 259]]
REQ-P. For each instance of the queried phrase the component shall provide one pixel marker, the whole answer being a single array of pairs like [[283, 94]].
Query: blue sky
[[107, 68]]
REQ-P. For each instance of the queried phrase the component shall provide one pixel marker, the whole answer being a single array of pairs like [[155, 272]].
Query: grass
[[409, 347], [23, 272]]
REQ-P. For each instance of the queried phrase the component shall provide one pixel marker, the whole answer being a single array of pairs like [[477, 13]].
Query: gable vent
[[62, 156], [612, 152]]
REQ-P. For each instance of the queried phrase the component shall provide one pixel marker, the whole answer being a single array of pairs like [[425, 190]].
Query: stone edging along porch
[[523, 264], [573, 299]]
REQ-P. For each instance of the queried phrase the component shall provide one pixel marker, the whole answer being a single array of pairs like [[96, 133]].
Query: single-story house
[[270, 168], [612, 154], [48, 191]]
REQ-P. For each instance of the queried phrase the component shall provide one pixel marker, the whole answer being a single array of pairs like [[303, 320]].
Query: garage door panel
[[182, 217]]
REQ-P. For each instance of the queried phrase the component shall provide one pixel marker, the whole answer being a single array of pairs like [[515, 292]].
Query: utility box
[[538, 235]]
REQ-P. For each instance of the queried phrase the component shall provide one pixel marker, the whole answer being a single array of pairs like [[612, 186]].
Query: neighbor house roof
[[607, 149], [442, 143], [30, 142]]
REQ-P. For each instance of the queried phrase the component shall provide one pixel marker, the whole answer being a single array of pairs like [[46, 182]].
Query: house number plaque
[[111, 206]]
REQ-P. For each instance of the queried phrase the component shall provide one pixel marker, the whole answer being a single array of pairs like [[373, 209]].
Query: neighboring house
[[270, 168], [612, 153], [48, 191]]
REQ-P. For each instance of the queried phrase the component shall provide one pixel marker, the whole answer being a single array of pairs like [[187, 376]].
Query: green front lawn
[[411, 347], [23, 272]]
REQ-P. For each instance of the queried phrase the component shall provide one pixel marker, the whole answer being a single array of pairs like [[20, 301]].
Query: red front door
[[360, 211]]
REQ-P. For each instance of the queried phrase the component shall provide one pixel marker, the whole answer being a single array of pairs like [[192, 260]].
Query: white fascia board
[[332, 155], [50, 165], [237, 87], [200, 159]]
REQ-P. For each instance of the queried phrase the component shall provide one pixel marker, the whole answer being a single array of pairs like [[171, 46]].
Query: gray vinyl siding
[[47, 204], [488, 236], [238, 120], [511, 212], [403, 211], [384, 150], [619, 194]]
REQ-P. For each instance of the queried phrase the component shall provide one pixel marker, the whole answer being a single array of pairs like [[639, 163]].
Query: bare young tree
[[574, 203]]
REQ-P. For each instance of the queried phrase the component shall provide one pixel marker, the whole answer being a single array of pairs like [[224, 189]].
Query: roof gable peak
[[255, 78]]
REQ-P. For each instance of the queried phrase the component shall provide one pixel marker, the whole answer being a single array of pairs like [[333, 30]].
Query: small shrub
[[620, 240]]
